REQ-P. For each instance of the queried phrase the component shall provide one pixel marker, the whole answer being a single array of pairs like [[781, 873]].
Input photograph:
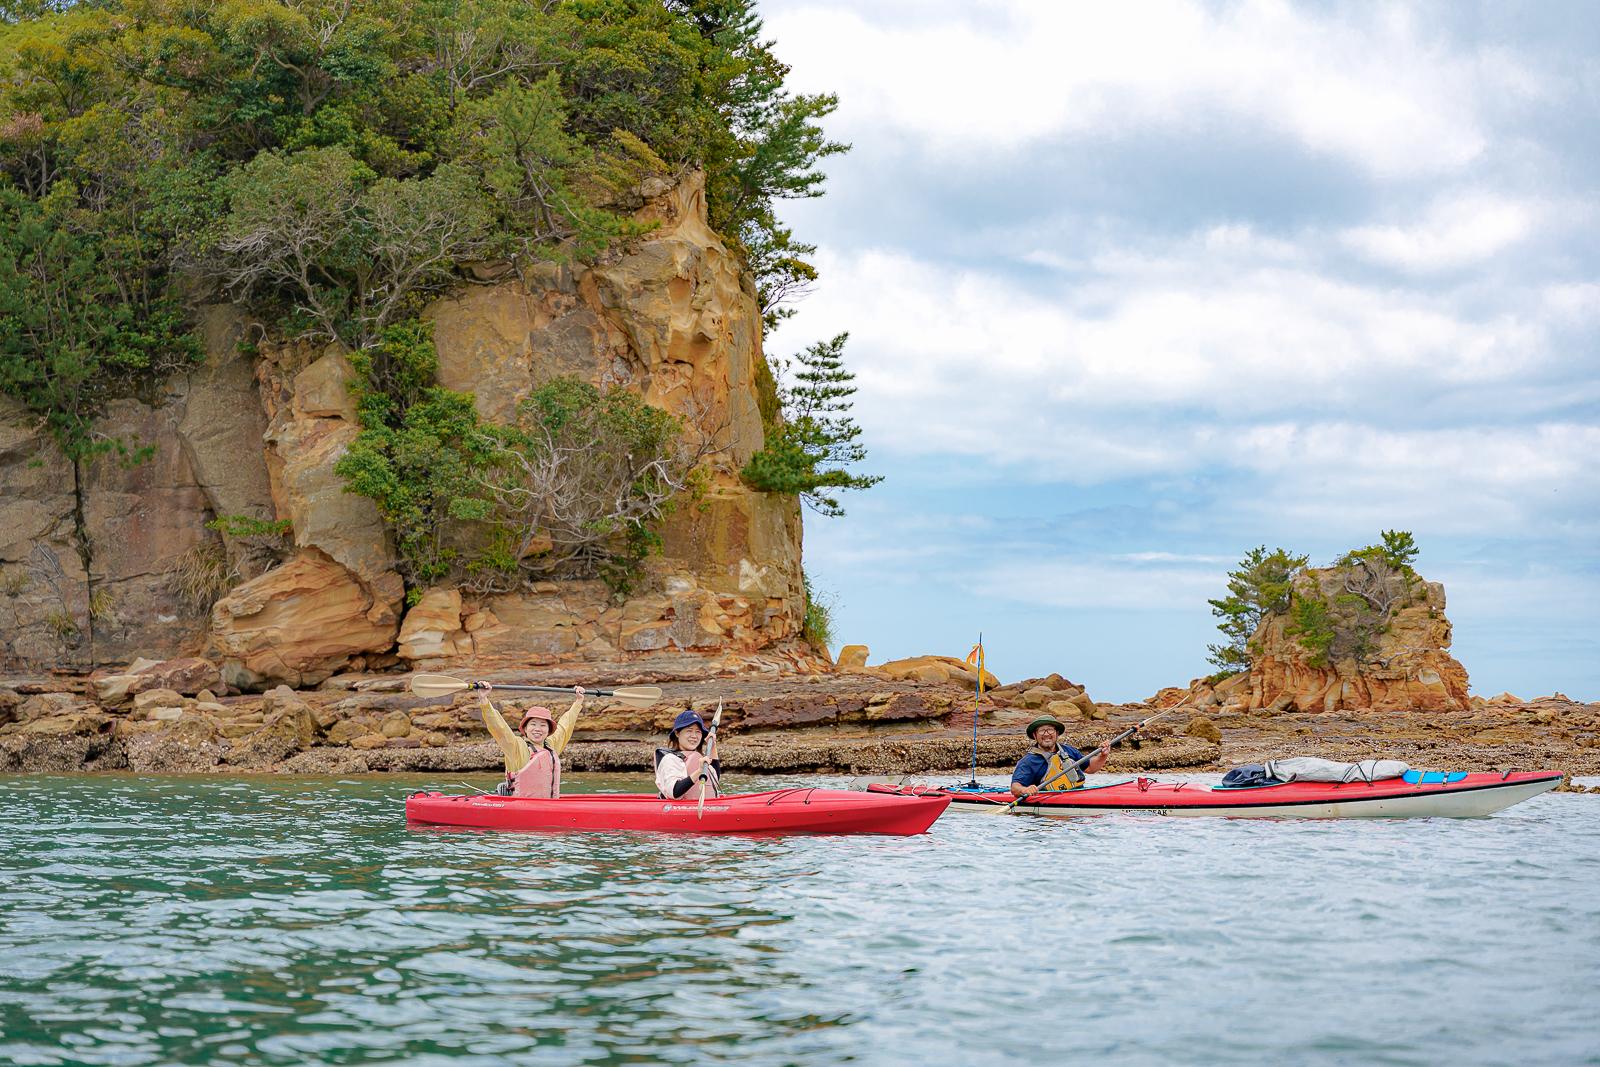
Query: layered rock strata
[[257, 430]]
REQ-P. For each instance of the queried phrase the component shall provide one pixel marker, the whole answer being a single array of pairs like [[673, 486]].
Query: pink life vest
[[540, 778]]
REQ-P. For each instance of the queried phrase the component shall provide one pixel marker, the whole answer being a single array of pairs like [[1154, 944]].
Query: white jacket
[[672, 769]]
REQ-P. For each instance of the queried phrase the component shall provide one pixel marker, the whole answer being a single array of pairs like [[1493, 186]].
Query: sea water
[[288, 921]]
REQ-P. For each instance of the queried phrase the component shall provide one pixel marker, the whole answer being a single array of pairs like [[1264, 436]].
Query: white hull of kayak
[[1470, 804]]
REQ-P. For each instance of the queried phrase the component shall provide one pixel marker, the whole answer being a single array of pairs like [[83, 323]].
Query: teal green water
[[189, 920]]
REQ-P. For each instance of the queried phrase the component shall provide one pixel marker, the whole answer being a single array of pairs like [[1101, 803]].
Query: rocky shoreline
[[862, 721]]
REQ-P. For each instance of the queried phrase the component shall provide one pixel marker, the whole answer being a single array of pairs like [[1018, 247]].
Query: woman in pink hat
[[533, 751]]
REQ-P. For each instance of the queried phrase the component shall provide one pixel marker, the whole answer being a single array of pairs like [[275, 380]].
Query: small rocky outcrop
[[1407, 666], [1397, 659], [187, 675], [931, 669]]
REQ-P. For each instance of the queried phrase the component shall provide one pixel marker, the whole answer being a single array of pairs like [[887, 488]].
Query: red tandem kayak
[[784, 811], [1458, 796]]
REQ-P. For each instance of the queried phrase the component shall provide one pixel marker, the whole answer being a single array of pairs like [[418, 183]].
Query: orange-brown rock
[[298, 624], [313, 424], [433, 628], [1410, 666], [189, 675], [671, 318], [852, 657], [935, 669]]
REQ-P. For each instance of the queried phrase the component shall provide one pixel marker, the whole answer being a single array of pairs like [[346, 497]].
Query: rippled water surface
[[189, 920]]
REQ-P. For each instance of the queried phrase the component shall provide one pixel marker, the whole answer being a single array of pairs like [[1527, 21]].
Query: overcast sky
[[1134, 287]]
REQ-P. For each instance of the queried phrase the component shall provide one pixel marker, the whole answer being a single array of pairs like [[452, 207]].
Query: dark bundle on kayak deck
[[1248, 775]]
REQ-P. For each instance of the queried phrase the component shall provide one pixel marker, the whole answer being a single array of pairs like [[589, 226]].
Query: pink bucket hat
[[536, 712]]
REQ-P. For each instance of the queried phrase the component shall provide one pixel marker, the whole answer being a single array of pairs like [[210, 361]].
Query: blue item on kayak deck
[[1432, 777], [1250, 774]]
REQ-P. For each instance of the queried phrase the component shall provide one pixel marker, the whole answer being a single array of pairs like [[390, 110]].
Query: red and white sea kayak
[[783, 811], [1459, 797]]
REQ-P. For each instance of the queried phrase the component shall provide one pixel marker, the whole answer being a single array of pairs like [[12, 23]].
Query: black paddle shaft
[[545, 689]]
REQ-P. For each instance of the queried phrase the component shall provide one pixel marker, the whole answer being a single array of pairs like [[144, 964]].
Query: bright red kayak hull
[[1473, 796], [784, 811]]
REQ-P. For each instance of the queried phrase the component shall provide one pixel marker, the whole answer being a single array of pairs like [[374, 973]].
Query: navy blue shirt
[[1033, 768]]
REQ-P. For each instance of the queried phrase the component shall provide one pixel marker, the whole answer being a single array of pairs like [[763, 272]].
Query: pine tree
[[1258, 587], [810, 450]]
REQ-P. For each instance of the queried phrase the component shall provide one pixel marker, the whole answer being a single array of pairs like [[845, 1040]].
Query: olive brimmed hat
[[1046, 720]]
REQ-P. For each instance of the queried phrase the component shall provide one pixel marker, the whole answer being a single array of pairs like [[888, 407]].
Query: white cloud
[[1456, 231], [1376, 89], [947, 357], [1184, 362]]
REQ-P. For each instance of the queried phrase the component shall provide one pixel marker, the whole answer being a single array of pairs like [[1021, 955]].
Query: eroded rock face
[[221, 433], [313, 424], [144, 517], [672, 318], [258, 429], [1409, 668], [299, 623]]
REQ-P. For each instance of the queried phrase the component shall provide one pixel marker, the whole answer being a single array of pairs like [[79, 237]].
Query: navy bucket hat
[[686, 719]]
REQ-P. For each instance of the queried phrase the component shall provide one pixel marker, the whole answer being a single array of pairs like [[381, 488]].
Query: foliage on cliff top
[[1367, 585], [336, 162], [1258, 587]]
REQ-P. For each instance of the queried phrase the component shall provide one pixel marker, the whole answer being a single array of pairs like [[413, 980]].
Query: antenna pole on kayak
[[977, 696]]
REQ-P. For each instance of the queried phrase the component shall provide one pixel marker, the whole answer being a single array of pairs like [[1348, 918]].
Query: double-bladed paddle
[[705, 764], [440, 685]]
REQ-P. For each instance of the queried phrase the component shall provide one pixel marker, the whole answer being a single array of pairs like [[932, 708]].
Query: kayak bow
[[1468, 796], [784, 811]]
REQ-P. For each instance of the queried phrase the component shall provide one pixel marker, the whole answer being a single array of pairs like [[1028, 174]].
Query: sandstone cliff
[[257, 430]]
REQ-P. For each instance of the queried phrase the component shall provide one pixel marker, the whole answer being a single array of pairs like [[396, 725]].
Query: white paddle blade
[[637, 696], [436, 685]]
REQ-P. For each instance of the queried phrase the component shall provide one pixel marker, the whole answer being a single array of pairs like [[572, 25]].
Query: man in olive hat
[[1048, 765]]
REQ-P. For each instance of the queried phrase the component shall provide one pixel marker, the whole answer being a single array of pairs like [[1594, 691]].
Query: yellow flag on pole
[[975, 660]]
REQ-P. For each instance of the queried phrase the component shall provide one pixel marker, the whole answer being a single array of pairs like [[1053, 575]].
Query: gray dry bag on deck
[[1312, 769]]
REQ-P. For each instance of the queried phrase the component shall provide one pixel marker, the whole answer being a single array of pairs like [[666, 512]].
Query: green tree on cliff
[[335, 164], [1259, 586], [811, 446]]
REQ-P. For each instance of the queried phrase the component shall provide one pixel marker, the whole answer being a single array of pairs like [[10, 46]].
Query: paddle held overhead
[[440, 685]]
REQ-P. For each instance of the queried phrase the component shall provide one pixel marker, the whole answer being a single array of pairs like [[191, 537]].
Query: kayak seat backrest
[[1432, 777], [1263, 783]]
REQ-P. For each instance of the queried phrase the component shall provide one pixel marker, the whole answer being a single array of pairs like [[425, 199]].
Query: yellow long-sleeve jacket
[[515, 746]]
